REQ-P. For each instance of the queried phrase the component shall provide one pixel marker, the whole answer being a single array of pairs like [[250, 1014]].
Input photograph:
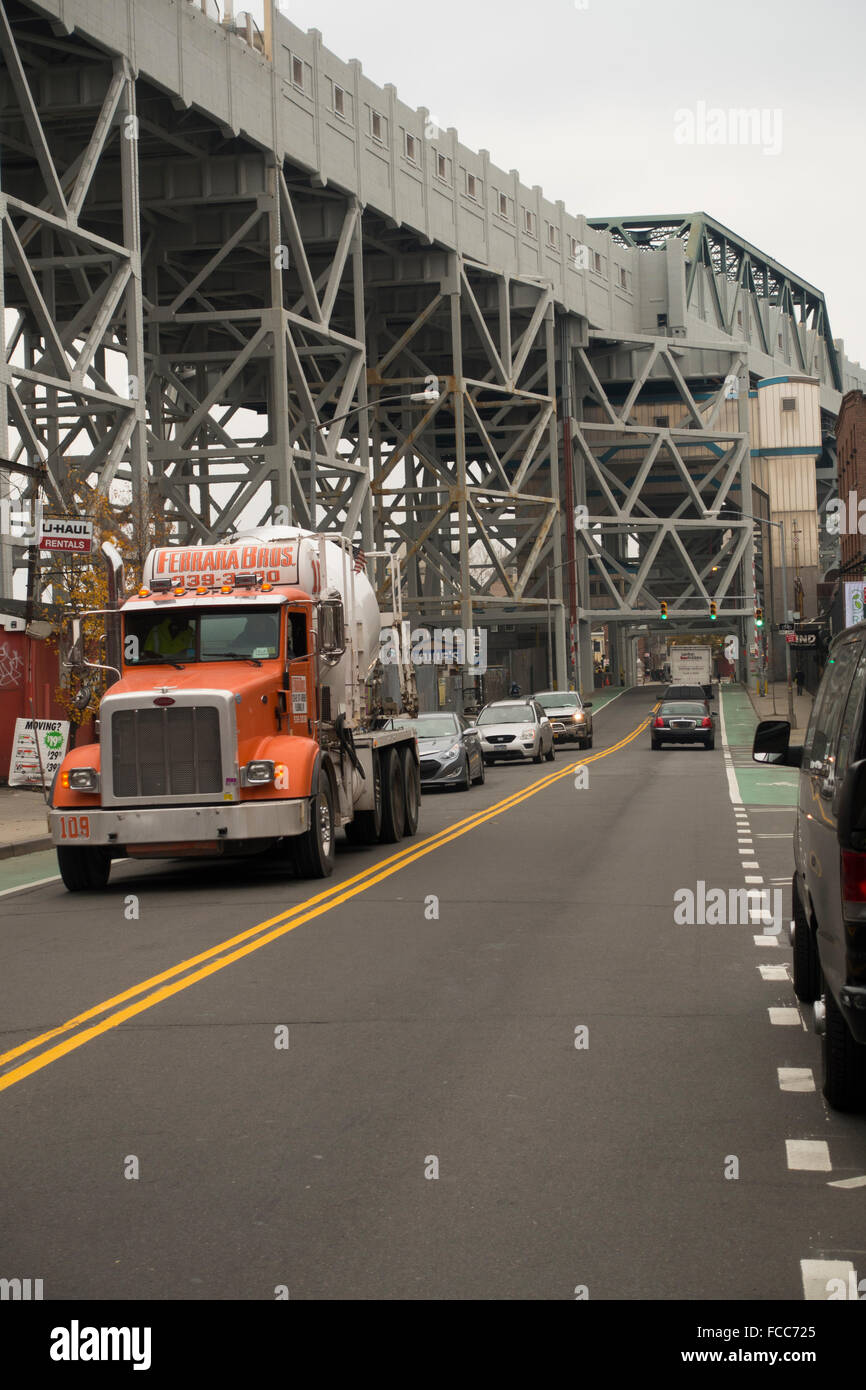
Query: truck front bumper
[[181, 825]]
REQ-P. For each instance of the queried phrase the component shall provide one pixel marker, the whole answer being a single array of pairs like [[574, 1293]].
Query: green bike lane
[[758, 785]]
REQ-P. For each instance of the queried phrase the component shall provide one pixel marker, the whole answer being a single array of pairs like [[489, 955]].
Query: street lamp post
[[550, 570]]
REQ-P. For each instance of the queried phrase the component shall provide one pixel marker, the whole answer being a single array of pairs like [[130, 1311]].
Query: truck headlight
[[578, 714], [257, 774], [81, 779]]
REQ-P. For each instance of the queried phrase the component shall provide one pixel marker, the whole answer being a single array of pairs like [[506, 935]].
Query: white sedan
[[512, 729]]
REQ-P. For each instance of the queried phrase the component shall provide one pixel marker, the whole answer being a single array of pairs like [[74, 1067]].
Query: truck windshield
[[183, 635]]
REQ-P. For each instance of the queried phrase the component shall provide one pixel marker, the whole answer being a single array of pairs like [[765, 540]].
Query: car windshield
[[505, 714], [560, 699], [180, 635], [430, 726], [687, 707]]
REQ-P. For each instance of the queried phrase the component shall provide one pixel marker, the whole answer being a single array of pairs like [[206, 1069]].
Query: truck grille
[[166, 752]]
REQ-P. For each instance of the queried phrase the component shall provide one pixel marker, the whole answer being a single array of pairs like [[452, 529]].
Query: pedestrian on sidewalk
[[800, 677]]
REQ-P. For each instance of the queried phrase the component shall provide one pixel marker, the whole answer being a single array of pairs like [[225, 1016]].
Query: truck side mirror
[[851, 810], [772, 744], [332, 641]]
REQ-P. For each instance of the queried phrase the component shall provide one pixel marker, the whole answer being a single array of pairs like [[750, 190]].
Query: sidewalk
[[23, 825], [778, 691]]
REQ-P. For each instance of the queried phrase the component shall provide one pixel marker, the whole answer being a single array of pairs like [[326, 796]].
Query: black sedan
[[682, 721], [449, 750]]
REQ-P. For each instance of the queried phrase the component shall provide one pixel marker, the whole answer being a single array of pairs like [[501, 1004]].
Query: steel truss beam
[[736, 273], [661, 503], [467, 484], [55, 398]]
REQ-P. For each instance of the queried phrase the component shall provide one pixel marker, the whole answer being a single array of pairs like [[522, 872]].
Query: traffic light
[[713, 614], [759, 617], [664, 611]]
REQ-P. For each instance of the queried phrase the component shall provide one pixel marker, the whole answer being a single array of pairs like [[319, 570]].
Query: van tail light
[[854, 884], [706, 722], [658, 722]]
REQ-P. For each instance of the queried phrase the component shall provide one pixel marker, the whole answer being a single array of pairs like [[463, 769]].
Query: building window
[[471, 186], [441, 167], [339, 100], [596, 261], [298, 73], [662, 422], [503, 205], [789, 403], [552, 235], [529, 221], [623, 277], [375, 125], [739, 318], [410, 148], [781, 343]]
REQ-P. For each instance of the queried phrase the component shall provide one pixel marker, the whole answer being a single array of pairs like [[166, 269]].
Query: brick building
[[851, 430]]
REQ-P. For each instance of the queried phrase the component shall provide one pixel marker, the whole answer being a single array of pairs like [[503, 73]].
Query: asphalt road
[[380, 1096]]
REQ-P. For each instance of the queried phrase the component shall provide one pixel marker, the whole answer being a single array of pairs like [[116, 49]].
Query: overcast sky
[[580, 96]]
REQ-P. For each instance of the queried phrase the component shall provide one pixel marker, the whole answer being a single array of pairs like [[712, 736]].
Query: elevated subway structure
[[270, 242]]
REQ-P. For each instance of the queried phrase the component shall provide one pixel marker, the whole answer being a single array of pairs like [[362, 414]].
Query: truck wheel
[[366, 826], [807, 966], [844, 1061], [393, 800], [411, 791], [83, 870], [314, 850]]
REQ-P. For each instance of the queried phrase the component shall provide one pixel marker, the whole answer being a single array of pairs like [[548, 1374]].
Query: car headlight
[[452, 752], [81, 779], [257, 774], [527, 733], [578, 714]]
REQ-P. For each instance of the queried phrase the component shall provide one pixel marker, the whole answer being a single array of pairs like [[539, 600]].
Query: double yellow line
[[179, 977]]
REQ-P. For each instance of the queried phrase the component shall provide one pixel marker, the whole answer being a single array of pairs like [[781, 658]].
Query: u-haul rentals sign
[[66, 533]]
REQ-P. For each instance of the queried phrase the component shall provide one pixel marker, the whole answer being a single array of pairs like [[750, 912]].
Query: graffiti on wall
[[11, 668]]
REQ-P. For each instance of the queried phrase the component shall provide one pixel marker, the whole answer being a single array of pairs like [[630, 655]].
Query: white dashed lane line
[[817, 1276], [796, 1078], [774, 972], [808, 1155], [785, 1017]]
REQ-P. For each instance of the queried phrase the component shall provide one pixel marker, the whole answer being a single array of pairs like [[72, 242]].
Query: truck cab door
[[301, 692]]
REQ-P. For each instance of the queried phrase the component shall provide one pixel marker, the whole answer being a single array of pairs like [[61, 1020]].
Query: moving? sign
[[38, 751]]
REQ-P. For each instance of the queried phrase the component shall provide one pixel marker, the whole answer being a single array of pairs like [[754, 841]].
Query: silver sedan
[[515, 730]]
